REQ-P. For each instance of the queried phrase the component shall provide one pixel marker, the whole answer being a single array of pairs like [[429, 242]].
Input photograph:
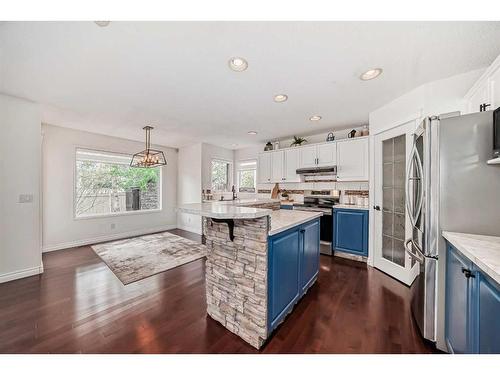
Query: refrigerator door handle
[[417, 255], [409, 206], [421, 184]]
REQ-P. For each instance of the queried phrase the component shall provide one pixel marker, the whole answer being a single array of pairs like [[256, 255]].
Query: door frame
[[406, 275]]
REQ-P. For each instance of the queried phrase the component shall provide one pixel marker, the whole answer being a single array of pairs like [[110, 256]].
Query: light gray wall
[[189, 185], [20, 169], [60, 228]]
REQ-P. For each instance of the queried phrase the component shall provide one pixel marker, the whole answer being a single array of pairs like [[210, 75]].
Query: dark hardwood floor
[[79, 306]]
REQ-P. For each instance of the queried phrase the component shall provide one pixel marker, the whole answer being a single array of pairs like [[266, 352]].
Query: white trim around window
[[123, 159], [230, 177]]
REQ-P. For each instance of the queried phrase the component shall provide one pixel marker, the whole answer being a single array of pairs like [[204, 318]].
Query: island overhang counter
[[260, 262]]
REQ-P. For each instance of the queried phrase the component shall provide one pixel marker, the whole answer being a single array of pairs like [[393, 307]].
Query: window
[[247, 176], [221, 175], [106, 184]]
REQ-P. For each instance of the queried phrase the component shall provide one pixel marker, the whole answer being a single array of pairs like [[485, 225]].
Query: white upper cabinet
[[291, 165], [327, 154], [349, 155], [264, 168], [277, 166], [486, 90], [352, 160], [479, 97], [320, 155], [495, 89], [308, 156]]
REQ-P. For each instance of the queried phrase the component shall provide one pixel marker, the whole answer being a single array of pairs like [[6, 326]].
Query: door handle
[[468, 273], [377, 208]]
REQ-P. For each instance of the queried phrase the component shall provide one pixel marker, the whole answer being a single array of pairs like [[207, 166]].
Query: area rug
[[134, 259]]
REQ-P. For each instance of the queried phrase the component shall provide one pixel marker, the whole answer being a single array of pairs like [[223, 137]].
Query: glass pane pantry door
[[393, 199], [392, 224]]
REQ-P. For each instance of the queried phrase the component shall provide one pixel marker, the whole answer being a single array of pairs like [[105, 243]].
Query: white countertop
[[352, 206], [282, 220], [223, 211], [484, 251]]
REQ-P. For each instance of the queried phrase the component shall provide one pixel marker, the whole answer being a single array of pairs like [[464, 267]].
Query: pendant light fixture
[[148, 158]]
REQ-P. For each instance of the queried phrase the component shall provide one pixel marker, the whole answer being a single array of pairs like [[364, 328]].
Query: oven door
[[326, 227]]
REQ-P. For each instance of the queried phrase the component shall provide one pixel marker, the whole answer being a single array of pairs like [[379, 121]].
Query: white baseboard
[[105, 238], [14, 275]]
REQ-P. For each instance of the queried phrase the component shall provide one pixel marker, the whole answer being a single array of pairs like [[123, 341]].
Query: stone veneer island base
[[237, 267], [236, 277]]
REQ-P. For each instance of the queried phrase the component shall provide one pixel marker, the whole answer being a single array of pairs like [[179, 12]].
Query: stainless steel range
[[321, 201]]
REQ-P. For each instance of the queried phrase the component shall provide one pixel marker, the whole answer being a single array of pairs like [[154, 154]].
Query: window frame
[[230, 181], [239, 169], [110, 214]]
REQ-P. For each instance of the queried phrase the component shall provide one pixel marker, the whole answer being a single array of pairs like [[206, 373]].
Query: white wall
[[320, 136], [195, 165], [434, 98], [20, 169], [189, 185], [60, 228]]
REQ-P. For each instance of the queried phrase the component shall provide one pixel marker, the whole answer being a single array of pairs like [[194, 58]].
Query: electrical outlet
[[25, 198], [113, 225]]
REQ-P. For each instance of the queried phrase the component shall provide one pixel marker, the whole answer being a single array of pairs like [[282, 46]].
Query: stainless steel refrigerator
[[449, 187]]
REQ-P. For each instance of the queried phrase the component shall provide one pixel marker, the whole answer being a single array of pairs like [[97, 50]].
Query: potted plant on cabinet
[[298, 141]]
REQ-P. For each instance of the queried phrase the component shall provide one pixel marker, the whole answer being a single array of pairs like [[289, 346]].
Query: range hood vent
[[318, 171]]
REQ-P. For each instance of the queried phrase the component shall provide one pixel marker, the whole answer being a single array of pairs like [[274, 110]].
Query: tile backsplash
[[296, 190]]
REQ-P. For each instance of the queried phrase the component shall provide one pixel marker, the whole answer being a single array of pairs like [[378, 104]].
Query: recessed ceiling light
[[252, 132], [238, 64], [102, 23], [315, 118], [280, 98], [370, 74]]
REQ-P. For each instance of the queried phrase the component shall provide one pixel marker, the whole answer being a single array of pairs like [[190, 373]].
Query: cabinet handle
[[482, 107], [302, 231], [467, 273], [376, 208]]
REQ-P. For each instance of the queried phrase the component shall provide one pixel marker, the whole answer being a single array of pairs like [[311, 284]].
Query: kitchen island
[[260, 262]]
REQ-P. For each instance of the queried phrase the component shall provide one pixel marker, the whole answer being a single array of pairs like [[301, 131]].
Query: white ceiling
[[174, 75]]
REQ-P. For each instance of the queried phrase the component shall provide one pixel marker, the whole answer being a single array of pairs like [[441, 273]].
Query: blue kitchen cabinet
[[293, 266], [309, 260], [487, 310], [350, 231], [472, 307], [286, 207], [458, 298], [283, 281]]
